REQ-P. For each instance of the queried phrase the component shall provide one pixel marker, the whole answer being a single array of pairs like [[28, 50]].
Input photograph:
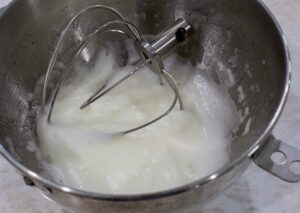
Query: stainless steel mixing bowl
[[232, 39]]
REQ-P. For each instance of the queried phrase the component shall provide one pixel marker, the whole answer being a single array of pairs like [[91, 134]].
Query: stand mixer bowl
[[239, 43]]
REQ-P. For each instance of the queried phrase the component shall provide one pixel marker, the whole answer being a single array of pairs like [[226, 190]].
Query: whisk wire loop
[[64, 32], [151, 54]]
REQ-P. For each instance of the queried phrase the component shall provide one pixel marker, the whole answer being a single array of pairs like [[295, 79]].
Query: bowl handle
[[279, 159]]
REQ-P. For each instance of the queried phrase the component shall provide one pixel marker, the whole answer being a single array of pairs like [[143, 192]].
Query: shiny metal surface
[[281, 169], [151, 53], [166, 40], [235, 35]]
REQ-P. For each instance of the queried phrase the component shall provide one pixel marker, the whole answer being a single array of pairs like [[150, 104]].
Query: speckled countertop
[[255, 192]]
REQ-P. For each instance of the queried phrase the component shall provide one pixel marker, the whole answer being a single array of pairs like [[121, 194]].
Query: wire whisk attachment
[[151, 54]]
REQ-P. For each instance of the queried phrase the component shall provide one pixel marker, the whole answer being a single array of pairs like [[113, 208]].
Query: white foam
[[247, 127], [248, 71], [241, 95], [180, 148]]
